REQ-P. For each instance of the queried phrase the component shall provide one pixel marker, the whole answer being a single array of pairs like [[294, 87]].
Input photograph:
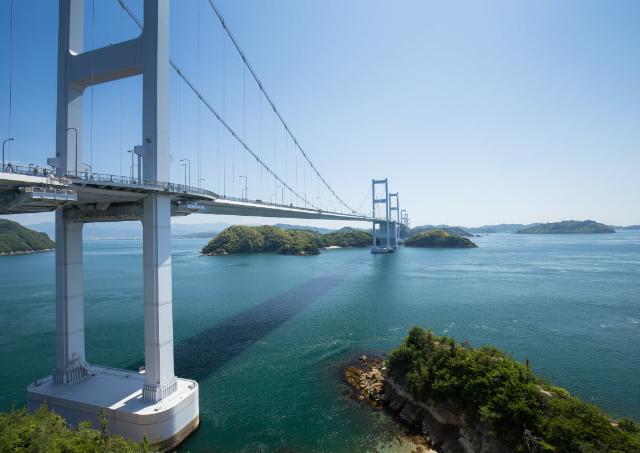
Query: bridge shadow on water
[[201, 355]]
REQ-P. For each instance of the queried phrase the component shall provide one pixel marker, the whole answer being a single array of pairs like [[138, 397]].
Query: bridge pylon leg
[[70, 364], [160, 380]]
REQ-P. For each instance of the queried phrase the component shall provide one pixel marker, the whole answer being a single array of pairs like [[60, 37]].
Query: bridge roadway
[[103, 198]]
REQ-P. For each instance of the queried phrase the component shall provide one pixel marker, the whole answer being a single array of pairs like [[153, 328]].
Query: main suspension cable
[[273, 106]]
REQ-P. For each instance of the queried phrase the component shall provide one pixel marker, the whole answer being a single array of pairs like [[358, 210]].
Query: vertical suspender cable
[[224, 110], [93, 46], [10, 75], [244, 121], [121, 103], [198, 85]]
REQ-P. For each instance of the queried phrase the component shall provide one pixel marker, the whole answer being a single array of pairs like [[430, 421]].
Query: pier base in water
[[165, 423]]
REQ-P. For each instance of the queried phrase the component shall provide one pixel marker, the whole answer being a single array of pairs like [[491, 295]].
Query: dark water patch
[[201, 355]]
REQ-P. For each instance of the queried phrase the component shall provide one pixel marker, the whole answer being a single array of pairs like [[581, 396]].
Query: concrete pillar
[[70, 364], [160, 380]]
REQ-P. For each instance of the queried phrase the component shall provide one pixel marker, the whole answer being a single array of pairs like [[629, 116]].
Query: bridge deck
[[27, 193]]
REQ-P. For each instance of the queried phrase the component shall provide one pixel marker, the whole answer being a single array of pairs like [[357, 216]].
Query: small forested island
[[568, 227], [438, 239], [457, 231], [265, 238], [465, 399], [15, 238]]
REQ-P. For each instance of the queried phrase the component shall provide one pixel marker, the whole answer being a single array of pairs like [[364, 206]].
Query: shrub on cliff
[[45, 431], [490, 388], [347, 237]]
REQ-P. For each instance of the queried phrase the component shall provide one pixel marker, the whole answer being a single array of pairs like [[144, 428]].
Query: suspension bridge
[[285, 183]]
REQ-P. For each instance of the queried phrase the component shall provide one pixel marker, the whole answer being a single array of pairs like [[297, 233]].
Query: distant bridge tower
[[394, 213], [154, 404], [383, 239]]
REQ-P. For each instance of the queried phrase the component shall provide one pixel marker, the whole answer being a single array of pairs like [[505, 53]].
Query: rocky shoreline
[[434, 427], [25, 252]]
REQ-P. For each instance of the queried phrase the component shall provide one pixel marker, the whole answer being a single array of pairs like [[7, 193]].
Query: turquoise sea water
[[265, 335]]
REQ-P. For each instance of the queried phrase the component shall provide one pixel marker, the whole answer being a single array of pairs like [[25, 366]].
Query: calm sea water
[[265, 335]]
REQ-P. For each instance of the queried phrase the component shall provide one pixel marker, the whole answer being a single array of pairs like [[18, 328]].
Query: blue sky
[[477, 112]]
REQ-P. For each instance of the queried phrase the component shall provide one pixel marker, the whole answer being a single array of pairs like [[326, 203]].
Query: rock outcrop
[[443, 428]]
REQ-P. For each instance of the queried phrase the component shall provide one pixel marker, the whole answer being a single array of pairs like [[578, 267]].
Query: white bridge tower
[[153, 403]]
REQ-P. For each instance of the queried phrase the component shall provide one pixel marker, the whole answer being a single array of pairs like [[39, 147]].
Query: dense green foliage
[[438, 239], [568, 227], [347, 237], [524, 412], [45, 431], [456, 231], [15, 238], [254, 239]]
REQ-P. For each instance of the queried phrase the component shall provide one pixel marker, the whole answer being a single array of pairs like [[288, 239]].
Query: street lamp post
[[3, 145], [200, 182], [281, 193], [131, 173], [76, 136], [246, 194], [186, 161]]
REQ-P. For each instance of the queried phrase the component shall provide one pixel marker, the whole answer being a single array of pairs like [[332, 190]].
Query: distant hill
[[455, 230], [133, 229], [438, 239], [500, 228], [286, 226], [568, 227], [628, 227], [14, 238]]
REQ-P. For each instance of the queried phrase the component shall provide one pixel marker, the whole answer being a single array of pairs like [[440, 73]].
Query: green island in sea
[[15, 238], [265, 238], [568, 227], [438, 239], [480, 399]]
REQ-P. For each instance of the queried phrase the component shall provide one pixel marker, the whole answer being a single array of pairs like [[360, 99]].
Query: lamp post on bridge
[[200, 182], [76, 137], [186, 162], [10, 139], [132, 164], [245, 191], [282, 194]]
